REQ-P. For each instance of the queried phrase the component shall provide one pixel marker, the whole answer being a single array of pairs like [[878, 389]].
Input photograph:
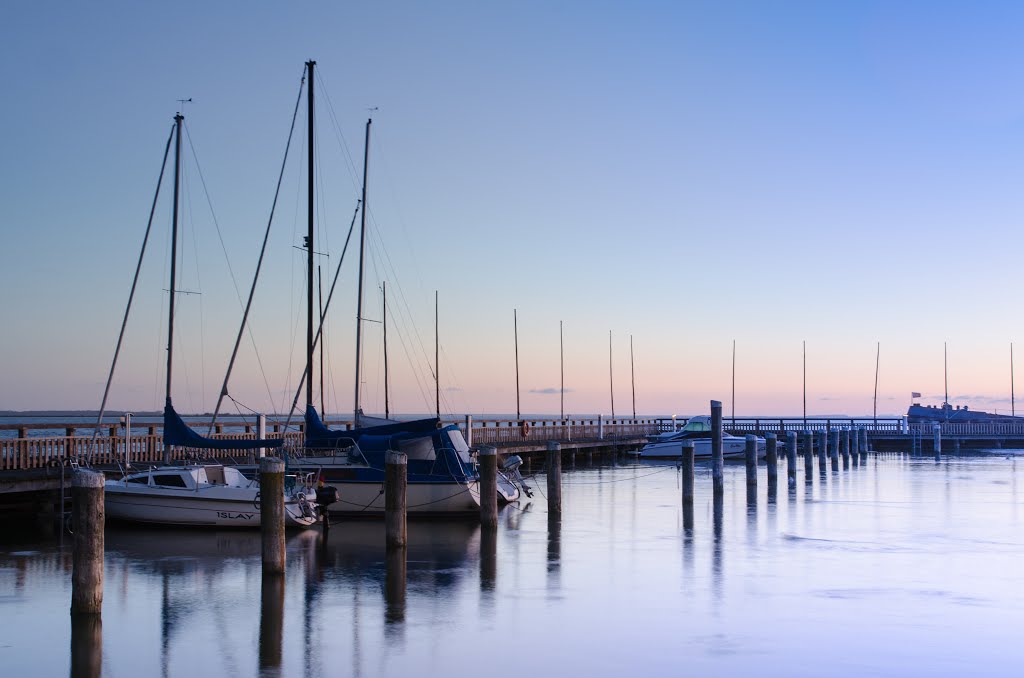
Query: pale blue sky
[[686, 172]]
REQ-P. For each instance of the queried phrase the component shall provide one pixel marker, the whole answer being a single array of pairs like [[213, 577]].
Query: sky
[[683, 175]]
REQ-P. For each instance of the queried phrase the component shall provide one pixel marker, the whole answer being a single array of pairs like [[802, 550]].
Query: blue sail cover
[[177, 432], [319, 436]]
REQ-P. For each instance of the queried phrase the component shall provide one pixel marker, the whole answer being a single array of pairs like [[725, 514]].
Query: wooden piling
[[272, 514], [87, 515], [717, 459], [688, 472], [791, 458], [772, 459], [808, 454], [554, 472], [488, 459], [396, 465], [864, 442], [830, 443], [937, 440], [751, 457]]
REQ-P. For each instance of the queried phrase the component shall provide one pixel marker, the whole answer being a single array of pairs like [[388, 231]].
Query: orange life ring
[[524, 428]]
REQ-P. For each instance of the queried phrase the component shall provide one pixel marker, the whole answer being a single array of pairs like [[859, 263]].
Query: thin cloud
[[549, 391]]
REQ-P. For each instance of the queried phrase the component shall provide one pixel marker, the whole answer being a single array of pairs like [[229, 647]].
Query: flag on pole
[[915, 394]]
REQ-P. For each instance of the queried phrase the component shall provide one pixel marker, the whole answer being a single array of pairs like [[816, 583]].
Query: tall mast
[[1013, 409], [734, 383], [387, 409], [178, 117], [515, 334], [632, 374], [805, 382], [362, 252], [437, 362], [945, 377], [611, 377], [878, 355], [320, 290], [561, 363], [309, 241]]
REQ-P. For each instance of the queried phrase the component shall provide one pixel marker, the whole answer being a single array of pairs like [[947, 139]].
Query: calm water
[[900, 567]]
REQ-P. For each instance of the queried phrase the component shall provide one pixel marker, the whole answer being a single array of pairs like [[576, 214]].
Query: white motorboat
[[201, 495], [698, 429]]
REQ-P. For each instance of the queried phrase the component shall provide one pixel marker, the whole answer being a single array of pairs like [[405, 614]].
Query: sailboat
[[441, 475], [197, 494]]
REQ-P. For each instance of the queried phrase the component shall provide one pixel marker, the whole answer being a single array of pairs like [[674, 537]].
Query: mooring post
[[808, 454], [688, 473], [600, 427], [830, 439], [717, 460], [395, 480], [488, 458], [87, 559], [844, 446], [791, 458], [272, 514], [772, 458], [937, 440], [833, 449], [864, 443], [469, 430], [554, 471], [751, 457]]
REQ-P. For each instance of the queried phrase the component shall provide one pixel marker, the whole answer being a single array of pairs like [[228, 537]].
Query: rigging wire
[[259, 265], [131, 296]]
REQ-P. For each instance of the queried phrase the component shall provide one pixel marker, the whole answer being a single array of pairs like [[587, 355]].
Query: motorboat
[[202, 495], [698, 429], [511, 484]]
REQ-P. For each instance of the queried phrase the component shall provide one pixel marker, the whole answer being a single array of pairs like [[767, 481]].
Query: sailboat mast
[[561, 363], [611, 377], [734, 383], [515, 335], [1013, 409], [632, 374], [362, 253], [805, 381], [878, 355], [437, 362], [178, 117], [387, 408], [945, 379], [320, 291], [309, 241]]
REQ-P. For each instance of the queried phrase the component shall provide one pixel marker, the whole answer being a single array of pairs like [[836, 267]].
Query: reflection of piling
[[395, 479], [751, 458], [717, 460], [772, 459], [791, 458], [87, 520], [86, 645], [488, 458], [554, 472], [272, 514], [488, 559], [394, 584], [271, 620]]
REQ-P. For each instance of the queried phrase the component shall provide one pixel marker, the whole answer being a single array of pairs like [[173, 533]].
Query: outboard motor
[[510, 467]]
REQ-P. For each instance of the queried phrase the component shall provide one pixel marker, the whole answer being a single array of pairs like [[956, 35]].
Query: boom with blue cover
[[177, 432]]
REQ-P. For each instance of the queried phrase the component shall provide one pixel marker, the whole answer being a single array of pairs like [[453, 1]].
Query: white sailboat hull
[[205, 507], [367, 498]]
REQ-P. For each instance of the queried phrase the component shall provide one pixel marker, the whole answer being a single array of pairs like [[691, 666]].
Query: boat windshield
[[698, 425]]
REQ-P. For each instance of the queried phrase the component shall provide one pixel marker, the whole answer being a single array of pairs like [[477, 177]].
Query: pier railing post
[[772, 459], [554, 472], [272, 514], [261, 432], [600, 427], [127, 439], [395, 497], [469, 430], [87, 560], [717, 459], [488, 458]]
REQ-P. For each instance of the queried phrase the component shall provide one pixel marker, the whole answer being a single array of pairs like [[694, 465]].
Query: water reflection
[[394, 585], [271, 623], [554, 560], [86, 645]]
